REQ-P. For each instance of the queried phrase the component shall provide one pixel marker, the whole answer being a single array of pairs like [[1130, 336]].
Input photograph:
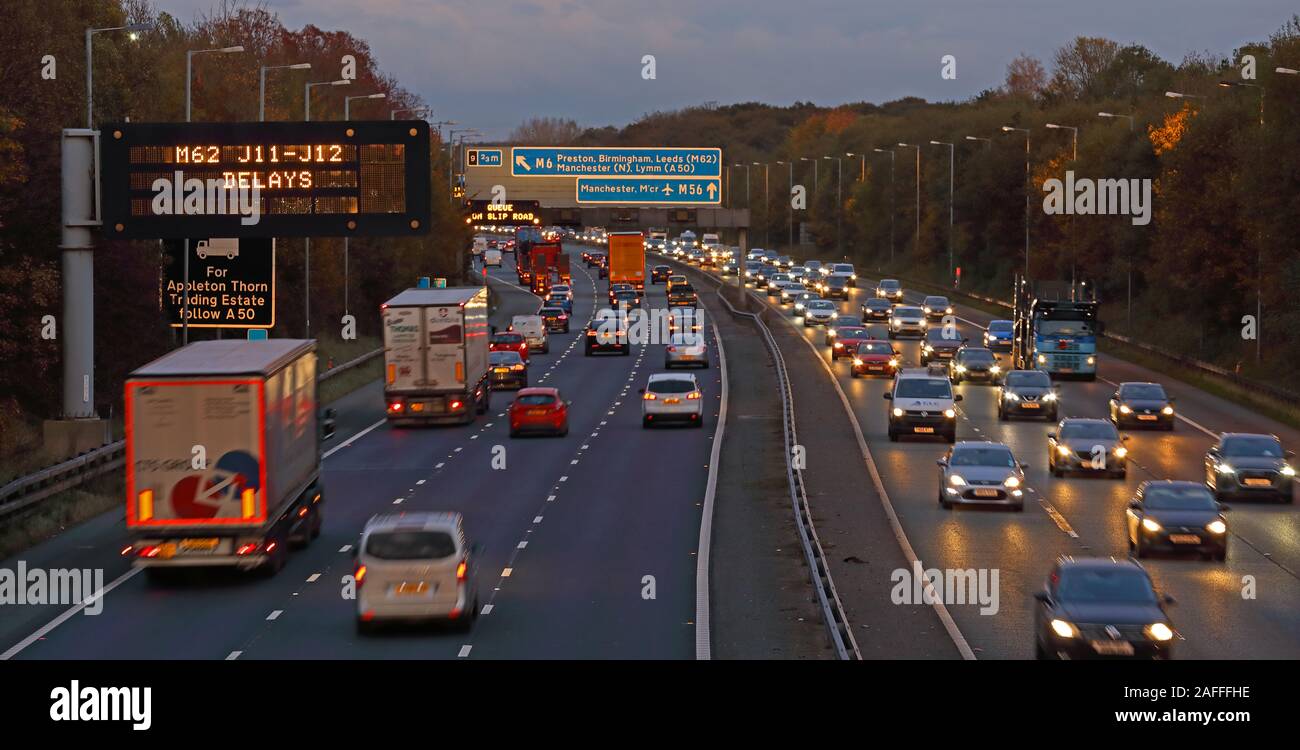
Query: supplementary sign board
[[265, 179], [232, 283], [483, 157], [704, 191], [510, 213], [574, 161]]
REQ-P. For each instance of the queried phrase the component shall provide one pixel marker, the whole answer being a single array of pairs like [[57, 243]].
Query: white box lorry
[[436, 355], [223, 455]]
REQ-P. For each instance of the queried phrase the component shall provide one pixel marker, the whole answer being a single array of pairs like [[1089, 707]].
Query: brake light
[[672, 348], [649, 397], [693, 396], [360, 575], [455, 405], [462, 570], [396, 406], [149, 551], [246, 549]]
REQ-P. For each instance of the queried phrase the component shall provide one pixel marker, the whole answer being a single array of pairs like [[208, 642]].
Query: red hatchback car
[[539, 410], [875, 357], [509, 342], [847, 340]]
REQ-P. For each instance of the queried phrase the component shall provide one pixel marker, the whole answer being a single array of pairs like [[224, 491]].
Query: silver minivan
[[414, 567]]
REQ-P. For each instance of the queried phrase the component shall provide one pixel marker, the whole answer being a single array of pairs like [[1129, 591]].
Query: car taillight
[[246, 549], [455, 405], [396, 406], [359, 575], [462, 570], [693, 395], [649, 397], [517, 367], [672, 348], [149, 551]]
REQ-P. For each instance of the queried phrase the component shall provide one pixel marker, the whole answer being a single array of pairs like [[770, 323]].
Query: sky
[[490, 64]]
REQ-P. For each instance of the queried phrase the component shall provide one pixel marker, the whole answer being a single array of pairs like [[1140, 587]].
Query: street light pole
[[790, 194], [952, 156], [185, 261], [347, 240], [133, 32], [1113, 115], [839, 203], [261, 84], [916, 238], [862, 174], [892, 154], [1008, 129], [415, 110], [767, 204], [306, 243]]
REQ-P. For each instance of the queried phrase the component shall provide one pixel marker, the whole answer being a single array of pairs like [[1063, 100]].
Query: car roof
[[935, 296], [1085, 420], [978, 444], [538, 390], [1184, 483], [907, 308], [1097, 563], [654, 377], [427, 520], [968, 349], [1229, 435], [920, 373]]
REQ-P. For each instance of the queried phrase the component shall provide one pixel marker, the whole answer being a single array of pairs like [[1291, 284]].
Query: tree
[[1025, 77], [1079, 65], [546, 131]]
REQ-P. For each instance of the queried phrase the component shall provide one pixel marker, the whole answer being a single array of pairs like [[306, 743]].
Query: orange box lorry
[[627, 259]]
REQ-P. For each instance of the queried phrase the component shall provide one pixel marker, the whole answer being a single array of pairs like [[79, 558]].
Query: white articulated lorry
[[223, 455], [436, 355]]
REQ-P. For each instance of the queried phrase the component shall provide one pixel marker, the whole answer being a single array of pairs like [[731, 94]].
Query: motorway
[[1241, 609], [568, 532]]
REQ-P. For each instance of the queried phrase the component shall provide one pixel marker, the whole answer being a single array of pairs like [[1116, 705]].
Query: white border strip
[[703, 635]]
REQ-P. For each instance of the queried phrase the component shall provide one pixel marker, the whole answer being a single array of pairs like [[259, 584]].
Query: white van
[[533, 328], [480, 244], [492, 257], [923, 404]]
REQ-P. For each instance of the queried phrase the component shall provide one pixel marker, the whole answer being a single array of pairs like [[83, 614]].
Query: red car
[[509, 342], [847, 340], [539, 410], [875, 357]]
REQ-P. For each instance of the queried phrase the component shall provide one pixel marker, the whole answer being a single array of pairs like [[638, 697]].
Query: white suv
[[669, 397], [414, 566], [906, 320], [923, 404]]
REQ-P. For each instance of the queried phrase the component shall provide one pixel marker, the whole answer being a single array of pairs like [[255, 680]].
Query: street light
[[767, 204], [1074, 133], [132, 34], [415, 110], [746, 166], [185, 261], [347, 102], [1179, 95], [1243, 84], [306, 94], [1259, 249], [306, 272], [891, 153], [952, 168], [988, 142], [1113, 115], [261, 84], [789, 195], [839, 202], [1009, 129], [189, 64], [916, 238], [862, 174], [347, 240]]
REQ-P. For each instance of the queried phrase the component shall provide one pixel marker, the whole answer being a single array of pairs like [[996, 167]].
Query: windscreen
[[674, 385], [410, 545]]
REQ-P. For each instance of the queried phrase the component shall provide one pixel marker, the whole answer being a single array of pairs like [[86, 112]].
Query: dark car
[[847, 341], [629, 298], [606, 335], [976, 365], [555, 318], [614, 289], [1142, 405], [682, 295], [1101, 608], [660, 274], [877, 308], [940, 344], [1088, 445], [836, 285], [890, 289], [1027, 393], [838, 322], [508, 370], [1243, 465], [1176, 516], [935, 307], [875, 357]]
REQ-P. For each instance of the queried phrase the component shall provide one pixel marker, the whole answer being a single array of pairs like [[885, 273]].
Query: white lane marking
[[419, 482], [464, 650], [313, 577], [574, 461], [233, 655], [351, 440], [564, 478], [521, 545], [459, 448], [345, 548], [505, 573], [537, 519], [398, 501], [1058, 519], [275, 614], [703, 642], [45, 629], [439, 466], [487, 609], [550, 499]]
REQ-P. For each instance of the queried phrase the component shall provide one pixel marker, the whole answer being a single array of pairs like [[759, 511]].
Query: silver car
[[907, 321], [687, 349], [981, 472], [819, 312], [414, 566], [672, 397]]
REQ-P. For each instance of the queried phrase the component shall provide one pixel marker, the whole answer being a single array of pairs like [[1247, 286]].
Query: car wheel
[[893, 436], [514, 433], [318, 521], [1018, 507], [586, 351], [365, 627], [1002, 415], [1040, 653], [565, 432], [627, 350], [853, 373], [951, 437], [1138, 549], [645, 423], [1222, 554]]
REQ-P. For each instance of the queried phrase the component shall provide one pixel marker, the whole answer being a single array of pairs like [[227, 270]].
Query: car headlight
[[927, 348], [1168, 410], [927, 310], [1049, 396], [1123, 409], [830, 332], [1010, 396], [1012, 482], [1120, 451], [960, 368], [948, 311], [1226, 469], [1287, 471], [894, 321], [894, 363], [995, 369], [1160, 631], [956, 480], [898, 412], [1216, 527], [925, 324], [857, 362], [1064, 629], [1092, 360], [1150, 525], [1042, 359], [950, 413], [1064, 450]]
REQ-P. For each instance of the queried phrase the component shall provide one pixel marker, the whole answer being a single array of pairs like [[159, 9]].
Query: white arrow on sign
[[521, 161], [713, 189]]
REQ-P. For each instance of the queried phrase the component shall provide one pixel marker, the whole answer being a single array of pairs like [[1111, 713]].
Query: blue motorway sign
[[483, 157], [570, 161], [625, 190]]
